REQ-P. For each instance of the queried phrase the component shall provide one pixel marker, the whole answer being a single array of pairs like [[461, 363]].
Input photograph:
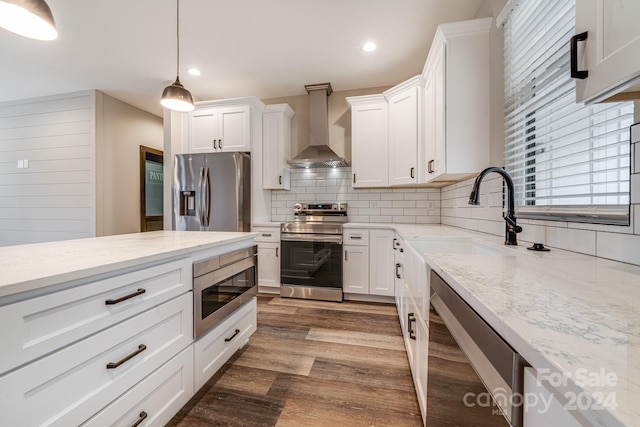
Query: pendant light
[[175, 96], [29, 18]]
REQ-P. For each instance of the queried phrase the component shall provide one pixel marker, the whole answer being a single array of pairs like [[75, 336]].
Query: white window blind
[[568, 161]]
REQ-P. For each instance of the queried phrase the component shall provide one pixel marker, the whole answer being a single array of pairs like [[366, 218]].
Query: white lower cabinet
[[542, 406], [416, 340], [355, 268], [68, 387], [155, 400], [268, 242], [212, 350], [381, 262]]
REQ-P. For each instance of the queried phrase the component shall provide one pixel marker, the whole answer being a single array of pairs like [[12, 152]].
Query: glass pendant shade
[[176, 97], [29, 18]]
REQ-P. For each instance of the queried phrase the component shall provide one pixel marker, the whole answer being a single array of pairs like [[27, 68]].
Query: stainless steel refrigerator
[[212, 192]]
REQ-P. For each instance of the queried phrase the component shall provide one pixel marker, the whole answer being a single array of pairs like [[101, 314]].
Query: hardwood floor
[[312, 363]]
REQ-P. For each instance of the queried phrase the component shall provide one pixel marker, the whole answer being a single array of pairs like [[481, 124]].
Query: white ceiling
[[265, 48]]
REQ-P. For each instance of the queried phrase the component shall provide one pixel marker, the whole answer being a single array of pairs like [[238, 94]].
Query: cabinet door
[[612, 50], [203, 130], [235, 128], [547, 410], [403, 137], [269, 266], [275, 173], [356, 269], [422, 363], [381, 262], [434, 99], [369, 145]]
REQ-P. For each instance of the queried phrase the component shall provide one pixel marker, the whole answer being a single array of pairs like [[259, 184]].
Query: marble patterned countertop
[[30, 267], [572, 316]]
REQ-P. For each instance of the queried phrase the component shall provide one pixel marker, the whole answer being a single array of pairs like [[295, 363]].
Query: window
[[568, 161]]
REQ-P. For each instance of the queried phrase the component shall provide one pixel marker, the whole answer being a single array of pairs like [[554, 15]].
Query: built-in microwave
[[221, 285]]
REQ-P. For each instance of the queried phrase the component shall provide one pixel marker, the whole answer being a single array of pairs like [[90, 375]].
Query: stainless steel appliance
[[221, 285], [311, 261], [497, 366], [212, 192]]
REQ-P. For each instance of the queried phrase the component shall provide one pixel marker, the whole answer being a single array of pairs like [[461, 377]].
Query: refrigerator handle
[[207, 198], [201, 196]]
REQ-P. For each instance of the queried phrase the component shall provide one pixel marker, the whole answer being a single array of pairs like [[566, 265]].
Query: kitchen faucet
[[510, 218]]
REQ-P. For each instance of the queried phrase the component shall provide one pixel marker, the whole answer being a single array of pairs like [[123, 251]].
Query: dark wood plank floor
[[312, 363]]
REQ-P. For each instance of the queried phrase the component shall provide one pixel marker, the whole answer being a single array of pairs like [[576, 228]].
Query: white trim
[[504, 13]]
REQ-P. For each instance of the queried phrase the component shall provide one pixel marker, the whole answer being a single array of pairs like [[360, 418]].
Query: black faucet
[[510, 218]]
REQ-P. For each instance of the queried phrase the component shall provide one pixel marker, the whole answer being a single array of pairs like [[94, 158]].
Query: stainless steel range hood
[[318, 154]]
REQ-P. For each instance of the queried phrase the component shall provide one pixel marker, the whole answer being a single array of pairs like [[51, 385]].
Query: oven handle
[[311, 238]]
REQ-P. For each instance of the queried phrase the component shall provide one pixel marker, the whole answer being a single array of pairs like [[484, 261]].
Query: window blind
[[568, 161]]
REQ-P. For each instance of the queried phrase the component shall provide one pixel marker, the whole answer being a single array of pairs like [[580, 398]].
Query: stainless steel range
[[311, 261]]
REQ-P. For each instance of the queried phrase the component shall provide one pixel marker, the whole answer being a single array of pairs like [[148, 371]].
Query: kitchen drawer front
[[157, 398], [69, 386], [267, 234], [41, 325], [356, 237], [215, 348]]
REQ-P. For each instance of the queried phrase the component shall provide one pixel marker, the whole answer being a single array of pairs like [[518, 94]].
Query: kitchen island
[[95, 329]]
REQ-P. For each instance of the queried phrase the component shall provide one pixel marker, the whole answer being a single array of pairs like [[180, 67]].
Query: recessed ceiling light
[[194, 71], [369, 47]]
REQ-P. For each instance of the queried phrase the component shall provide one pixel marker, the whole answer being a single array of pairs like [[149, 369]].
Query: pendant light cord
[[178, 38]]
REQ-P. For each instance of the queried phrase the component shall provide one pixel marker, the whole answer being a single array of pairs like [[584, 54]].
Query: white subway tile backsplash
[[571, 239], [404, 219], [404, 204], [619, 247], [635, 188]]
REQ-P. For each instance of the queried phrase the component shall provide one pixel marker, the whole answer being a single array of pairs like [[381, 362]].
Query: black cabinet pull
[[215, 144], [220, 143], [232, 336], [575, 73], [277, 250], [114, 365], [354, 178], [395, 244], [413, 172], [356, 237], [412, 321], [280, 179], [398, 265], [430, 166], [266, 234], [143, 416], [346, 255], [124, 298]]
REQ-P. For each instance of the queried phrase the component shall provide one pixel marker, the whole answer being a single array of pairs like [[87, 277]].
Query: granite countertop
[[572, 316], [30, 267]]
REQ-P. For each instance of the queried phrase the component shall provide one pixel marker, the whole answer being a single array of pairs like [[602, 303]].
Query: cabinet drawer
[[268, 234], [356, 237], [69, 386], [41, 325], [215, 348], [157, 398]]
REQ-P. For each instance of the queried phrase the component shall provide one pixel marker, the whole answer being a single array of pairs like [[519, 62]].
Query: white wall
[[121, 130], [54, 198]]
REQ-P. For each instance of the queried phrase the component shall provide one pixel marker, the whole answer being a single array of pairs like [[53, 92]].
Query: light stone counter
[[27, 268], [574, 316]]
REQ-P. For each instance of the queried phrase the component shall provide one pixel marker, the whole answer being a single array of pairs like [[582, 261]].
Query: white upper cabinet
[[456, 103], [226, 125], [405, 130], [276, 140], [611, 52], [369, 141]]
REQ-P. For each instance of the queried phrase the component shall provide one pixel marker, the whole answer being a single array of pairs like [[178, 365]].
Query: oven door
[[311, 260]]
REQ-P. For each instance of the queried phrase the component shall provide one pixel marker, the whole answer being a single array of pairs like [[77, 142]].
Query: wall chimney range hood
[[318, 154]]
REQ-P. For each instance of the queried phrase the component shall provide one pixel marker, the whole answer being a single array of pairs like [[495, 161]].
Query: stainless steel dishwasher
[[498, 366]]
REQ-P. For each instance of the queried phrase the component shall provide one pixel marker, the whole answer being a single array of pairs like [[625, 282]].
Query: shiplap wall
[[54, 198]]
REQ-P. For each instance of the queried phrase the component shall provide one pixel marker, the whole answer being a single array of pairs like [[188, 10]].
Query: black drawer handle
[[430, 166], [143, 416], [412, 321], [280, 179], [355, 237], [412, 172], [124, 298], [575, 73], [232, 336], [398, 265], [114, 365], [266, 234]]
